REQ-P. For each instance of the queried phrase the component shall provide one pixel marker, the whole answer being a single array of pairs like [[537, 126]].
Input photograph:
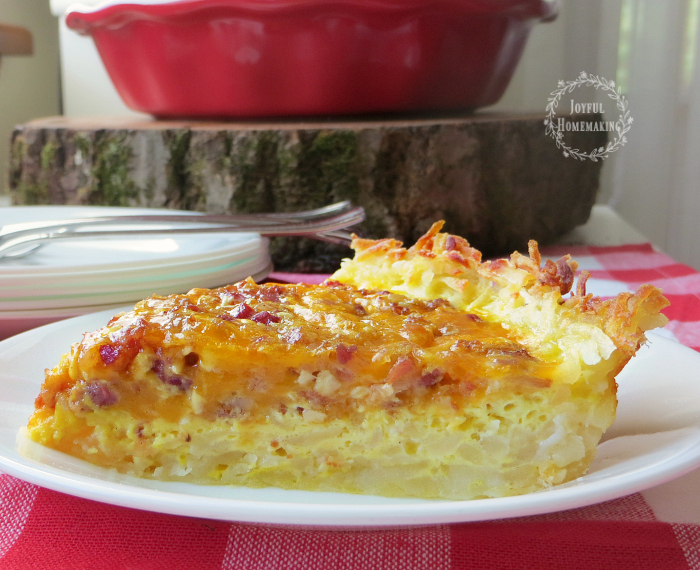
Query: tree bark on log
[[497, 180]]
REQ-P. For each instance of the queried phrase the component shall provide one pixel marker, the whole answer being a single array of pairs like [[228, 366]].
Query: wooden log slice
[[496, 179]]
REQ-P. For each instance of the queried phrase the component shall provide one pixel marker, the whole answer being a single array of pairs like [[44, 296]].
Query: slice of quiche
[[412, 373]]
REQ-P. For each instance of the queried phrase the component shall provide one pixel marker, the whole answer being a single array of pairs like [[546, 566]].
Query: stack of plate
[[66, 278]]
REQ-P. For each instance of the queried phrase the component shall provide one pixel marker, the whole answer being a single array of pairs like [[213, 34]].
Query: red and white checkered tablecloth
[[658, 529]]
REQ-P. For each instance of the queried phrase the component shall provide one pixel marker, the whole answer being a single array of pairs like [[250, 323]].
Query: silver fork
[[325, 224]]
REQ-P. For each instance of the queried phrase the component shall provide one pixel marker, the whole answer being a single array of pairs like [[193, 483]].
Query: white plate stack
[[70, 277]]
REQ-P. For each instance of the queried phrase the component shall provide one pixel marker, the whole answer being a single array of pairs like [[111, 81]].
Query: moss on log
[[498, 180]]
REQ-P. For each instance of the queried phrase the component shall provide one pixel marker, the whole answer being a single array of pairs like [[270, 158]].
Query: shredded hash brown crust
[[443, 265]]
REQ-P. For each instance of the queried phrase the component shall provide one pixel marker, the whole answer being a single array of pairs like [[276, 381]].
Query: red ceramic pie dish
[[273, 58]]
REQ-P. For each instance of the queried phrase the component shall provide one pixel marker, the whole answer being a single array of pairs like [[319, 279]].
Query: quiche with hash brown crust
[[410, 373]]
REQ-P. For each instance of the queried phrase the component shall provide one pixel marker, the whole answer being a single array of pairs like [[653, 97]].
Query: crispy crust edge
[[623, 318]]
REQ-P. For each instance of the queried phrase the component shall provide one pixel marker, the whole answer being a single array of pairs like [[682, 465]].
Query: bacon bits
[[271, 293], [245, 311], [404, 369], [242, 311], [559, 274], [159, 369], [170, 379], [109, 353], [430, 378], [265, 318], [233, 295], [101, 394], [345, 353], [179, 382], [124, 344]]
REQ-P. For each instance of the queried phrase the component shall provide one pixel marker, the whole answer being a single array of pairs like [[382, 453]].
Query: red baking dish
[[272, 58]]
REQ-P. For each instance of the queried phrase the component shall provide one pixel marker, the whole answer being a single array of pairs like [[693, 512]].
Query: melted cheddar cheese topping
[[245, 350]]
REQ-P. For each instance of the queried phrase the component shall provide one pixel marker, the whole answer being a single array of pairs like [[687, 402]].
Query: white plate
[[112, 253], [656, 437], [133, 288], [13, 322], [16, 322], [256, 247]]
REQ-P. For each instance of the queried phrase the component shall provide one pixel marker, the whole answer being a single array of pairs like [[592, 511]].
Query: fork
[[324, 224]]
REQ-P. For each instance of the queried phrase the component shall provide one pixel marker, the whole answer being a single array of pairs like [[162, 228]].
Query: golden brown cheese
[[246, 350]]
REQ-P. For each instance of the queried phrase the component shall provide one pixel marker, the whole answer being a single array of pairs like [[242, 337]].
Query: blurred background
[[650, 48]]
